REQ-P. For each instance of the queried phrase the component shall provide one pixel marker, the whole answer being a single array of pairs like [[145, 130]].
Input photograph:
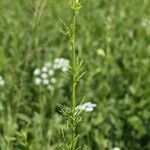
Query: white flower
[[45, 81], [61, 63], [44, 69], [37, 81], [44, 75], [37, 72], [51, 72], [53, 80], [88, 107], [116, 148]]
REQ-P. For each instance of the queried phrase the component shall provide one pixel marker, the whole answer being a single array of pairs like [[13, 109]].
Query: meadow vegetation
[[112, 38]]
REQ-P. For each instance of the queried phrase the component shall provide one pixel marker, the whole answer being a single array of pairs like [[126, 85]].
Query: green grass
[[117, 80]]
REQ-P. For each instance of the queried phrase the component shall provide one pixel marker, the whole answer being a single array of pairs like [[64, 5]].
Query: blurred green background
[[114, 41]]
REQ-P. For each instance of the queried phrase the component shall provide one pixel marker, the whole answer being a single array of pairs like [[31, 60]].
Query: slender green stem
[[73, 41], [73, 65]]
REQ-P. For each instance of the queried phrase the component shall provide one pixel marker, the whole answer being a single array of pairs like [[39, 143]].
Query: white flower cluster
[[2, 82], [61, 63], [88, 107], [45, 75]]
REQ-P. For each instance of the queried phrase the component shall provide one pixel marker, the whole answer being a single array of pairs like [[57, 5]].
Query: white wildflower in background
[[45, 76], [61, 63], [2, 82], [116, 148], [51, 72], [45, 68], [88, 107], [45, 81], [37, 81], [37, 72]]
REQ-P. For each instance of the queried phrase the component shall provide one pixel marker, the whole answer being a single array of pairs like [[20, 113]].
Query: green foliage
[[114, 44]]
